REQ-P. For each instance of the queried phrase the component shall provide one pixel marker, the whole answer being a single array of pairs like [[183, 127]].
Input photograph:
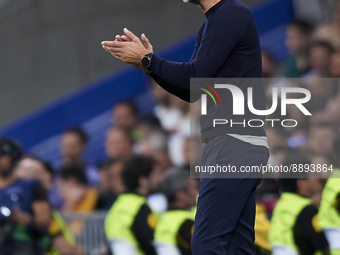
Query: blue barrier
[[39, 132], [273, 14]]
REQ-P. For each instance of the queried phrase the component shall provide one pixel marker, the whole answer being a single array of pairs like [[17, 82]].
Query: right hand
[[144, 39], [147, 45]]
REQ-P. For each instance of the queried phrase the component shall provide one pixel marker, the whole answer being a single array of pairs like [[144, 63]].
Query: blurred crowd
[[150, 155], [313, 64]]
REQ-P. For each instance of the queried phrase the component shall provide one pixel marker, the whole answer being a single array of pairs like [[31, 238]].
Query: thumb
[[129, 34], [145, 40]]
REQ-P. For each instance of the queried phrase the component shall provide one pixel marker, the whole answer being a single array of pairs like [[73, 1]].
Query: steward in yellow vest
[[174, 230], [294, 226], [262, 226], [130, 223], [63, 242], [329, 212]]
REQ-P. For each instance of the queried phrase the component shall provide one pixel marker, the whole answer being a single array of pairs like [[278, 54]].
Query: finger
[[106, 48], [119, 57], [118, 38], [113, 51], [145, 40], [116, 55], [116, 44], [129, 34], [125, 38]]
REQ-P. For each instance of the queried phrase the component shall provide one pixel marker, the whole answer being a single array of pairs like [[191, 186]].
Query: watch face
[[145, 61]]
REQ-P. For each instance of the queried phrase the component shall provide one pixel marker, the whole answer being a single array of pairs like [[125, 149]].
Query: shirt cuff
[[155, 64]]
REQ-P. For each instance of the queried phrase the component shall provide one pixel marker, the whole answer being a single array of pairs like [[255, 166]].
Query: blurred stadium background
[[49, 50], [54, 75]]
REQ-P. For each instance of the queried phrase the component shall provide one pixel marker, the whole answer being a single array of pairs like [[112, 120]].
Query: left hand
[[21, 217], [148, 46], [130, 51]]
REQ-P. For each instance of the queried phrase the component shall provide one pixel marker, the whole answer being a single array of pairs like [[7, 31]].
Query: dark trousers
[[224, 222], [19, 248]]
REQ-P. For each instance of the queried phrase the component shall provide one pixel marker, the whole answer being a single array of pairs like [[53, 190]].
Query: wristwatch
[[146, 60]]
